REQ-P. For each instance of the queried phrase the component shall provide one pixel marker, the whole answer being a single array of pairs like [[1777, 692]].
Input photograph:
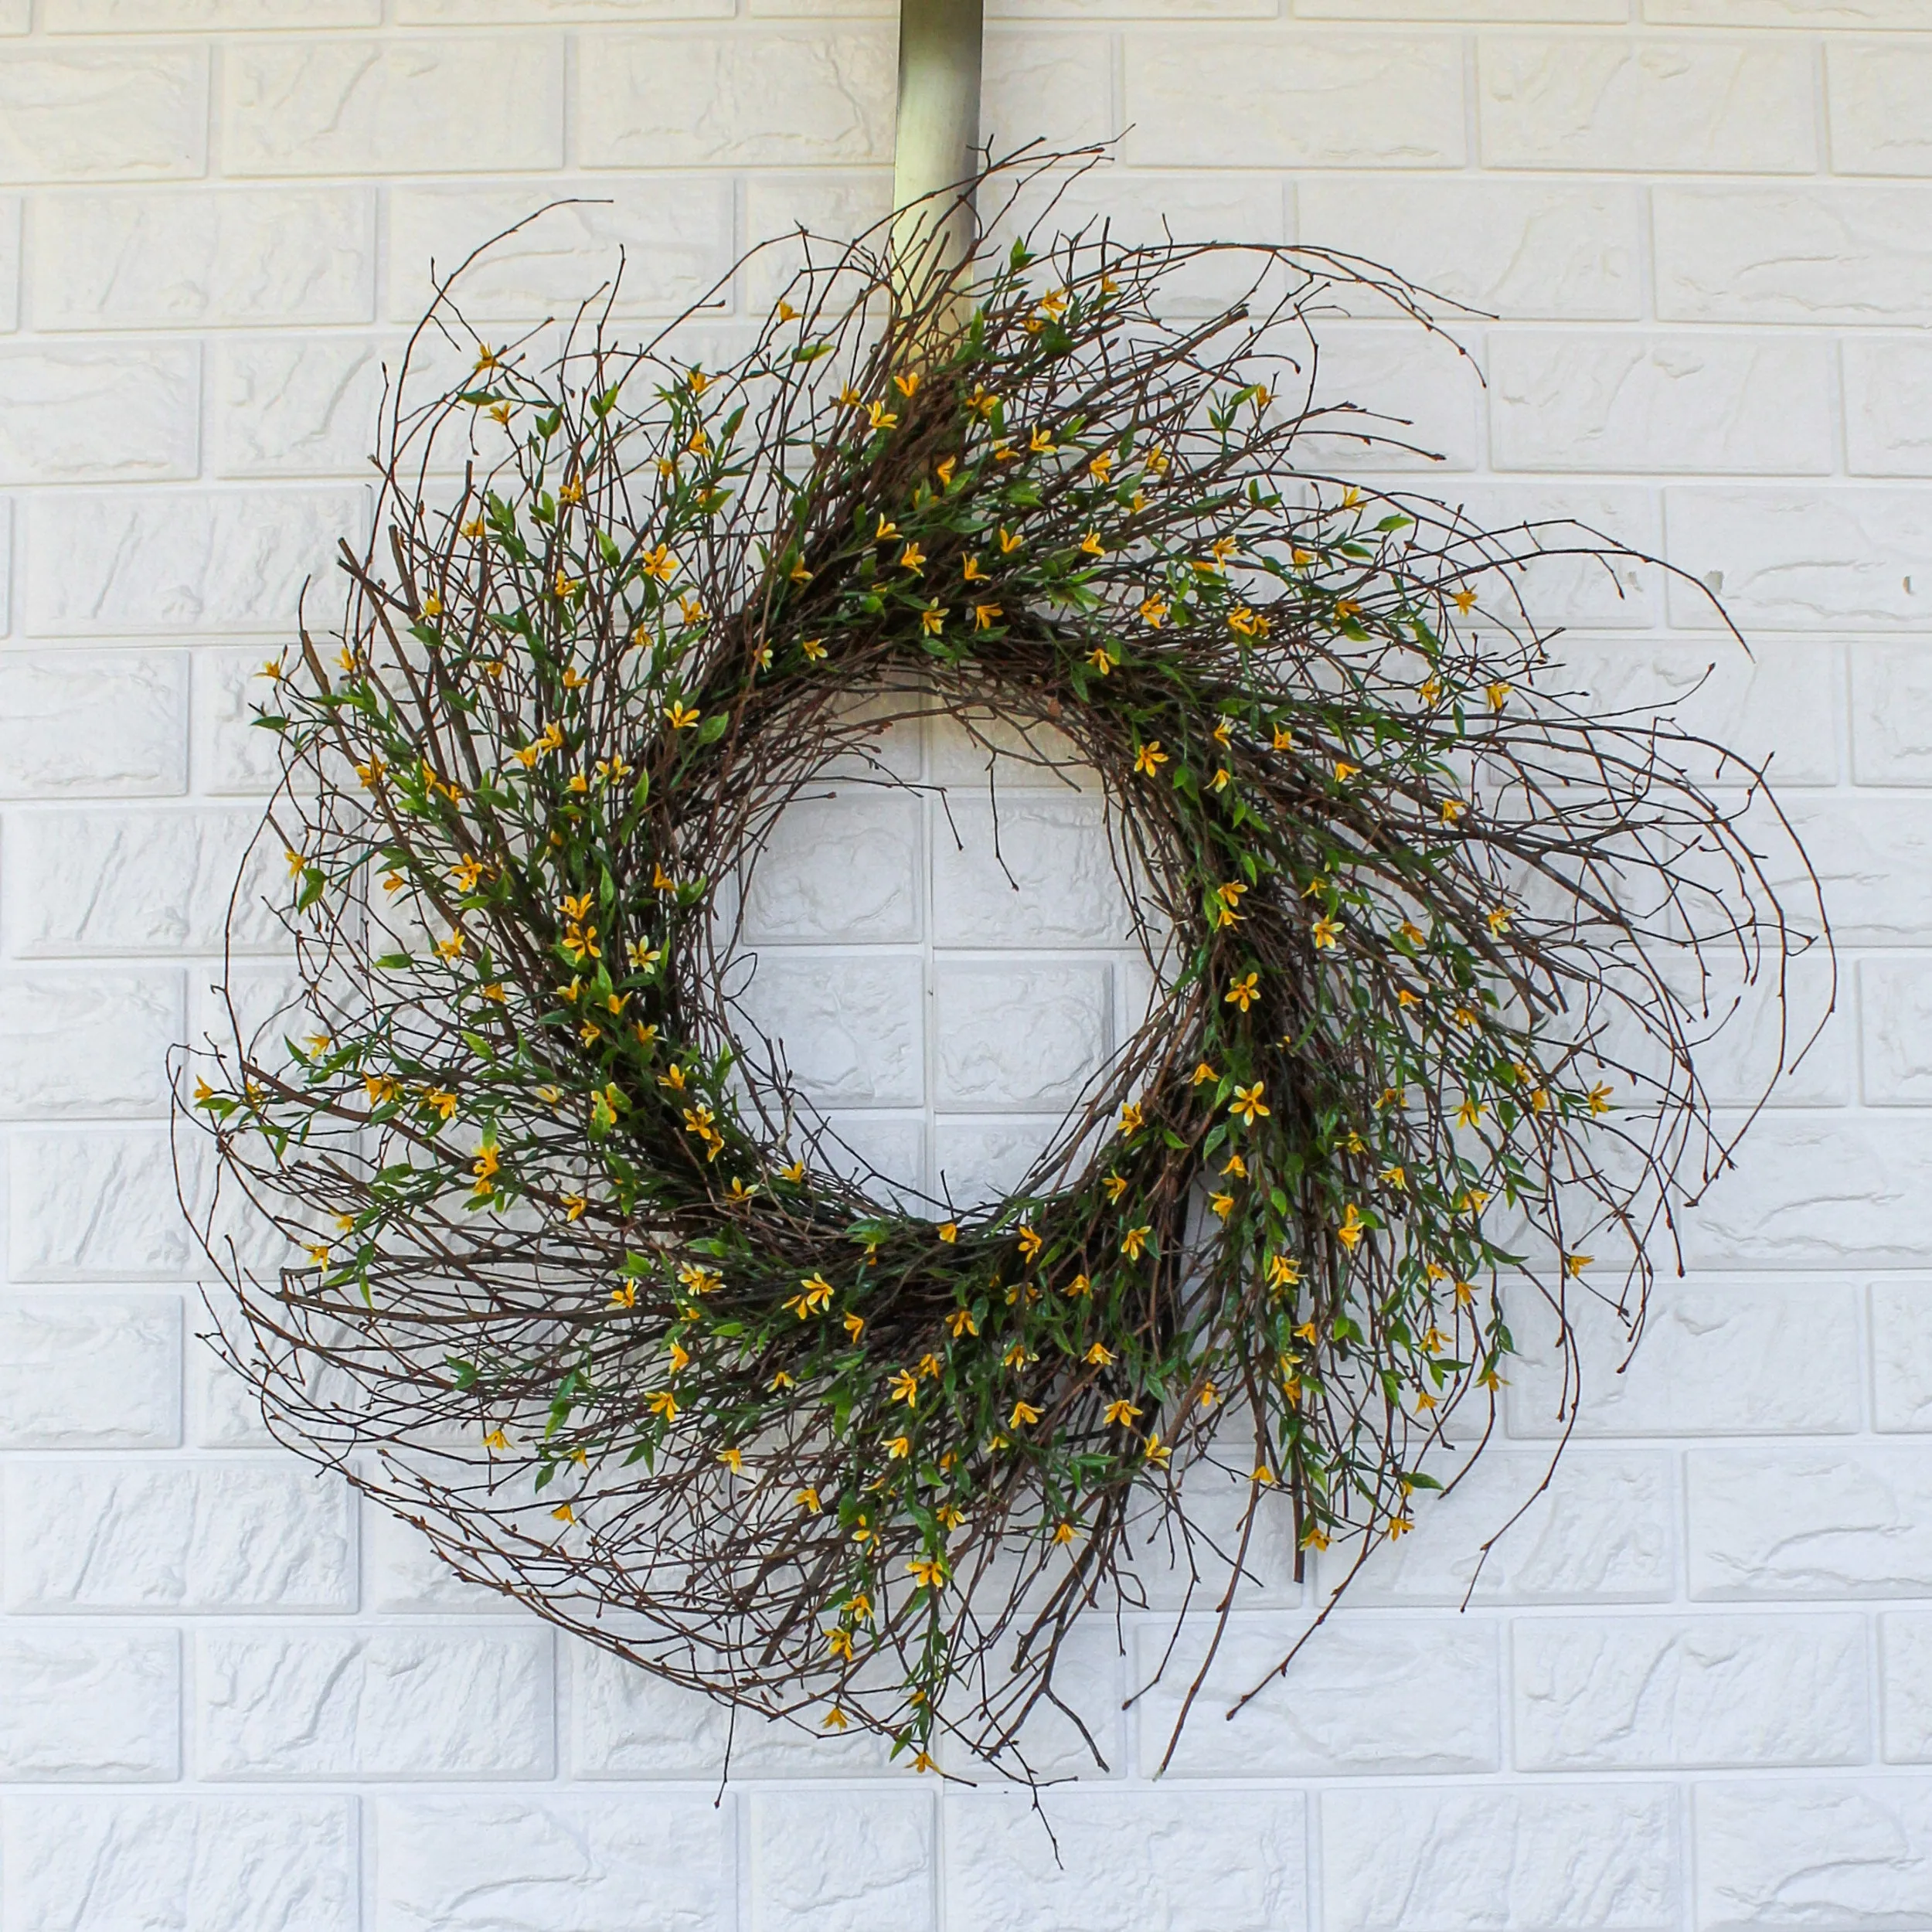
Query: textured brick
[[94, 724], [203, 16], [154, 881], [90, 1371], [1785, 13], [1895, 1001], [977, 1162], [9, 262], [233, 753], [624, 1722], [676, 233], [1419, 396], [1037, 80], [358, 107], [1888, 407], [841, 867], [1293, 100], [1878, 103], [1840, 1852], [1650, 402], [224, 1536], [1891, 692], [1826, 253], [848, 1028], [96, 1204], [842, 1868], [318, 1702], [516, 12], [772, 99], [1871, 857], [279, 405], [86, 1042], [1826, 1522], [241, 256], [1035, 871], [85, 415], [86, 115], [1186, 1860], [1647, 1693], [1523, 250], [1574, 1858], [1437, 12], [1793, 560], [1669, 105], [1366, 1694], [200, 560], [1904, 1677], [1768, 1357], [1600, 1533], [563, 1864], [1018, 1035], [1901, 1356], [180, 1865], [98, 1705]]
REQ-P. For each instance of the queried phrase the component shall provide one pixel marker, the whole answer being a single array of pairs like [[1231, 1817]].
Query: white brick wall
[[1693, 1690]]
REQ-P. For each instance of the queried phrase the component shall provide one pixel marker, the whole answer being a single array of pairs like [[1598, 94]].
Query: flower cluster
[[626, 1345]]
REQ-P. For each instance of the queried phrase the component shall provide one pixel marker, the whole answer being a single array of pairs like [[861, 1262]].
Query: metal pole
[[938, 133]]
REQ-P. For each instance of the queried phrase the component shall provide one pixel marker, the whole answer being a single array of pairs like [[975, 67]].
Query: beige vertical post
[[938, 133]]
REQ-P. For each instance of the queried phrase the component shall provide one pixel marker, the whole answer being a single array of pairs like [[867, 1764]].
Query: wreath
[[575, 1281]]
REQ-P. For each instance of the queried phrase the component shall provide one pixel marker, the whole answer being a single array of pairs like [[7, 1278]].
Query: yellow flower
[[1326, 932], [1131, 1118], [1091, 545], [816, 1293], [1100, 1355], [1030, 1243], [905, 1386], [1344, 771], [1497, 695], [682, 717], [808, 1500], [882, 418], [564, 1513], [1154, 609], [1156, 1451], [1023, 1412], [1464, 601], [854, 1325], [928, 1571], [661, 1402], [1283, 738], [839, 1643], [1134, 1240], [1221, 1204], [1497, 921], [1575, 1263], [1041, 443], [985, 615], [1600, 1100], [1119, 1414], [835, 1719], [732, 1460], [960, 1322], [1100, 661], [899, 1448], [933, 620], [1395, 1177], [1283, 1271], [1351, 1230], [1079, 1286], [1470, 1113], [944, 471], [1115, 1186], [1243, 992], [1150, 758], [1247, 1103], [948, 1231]]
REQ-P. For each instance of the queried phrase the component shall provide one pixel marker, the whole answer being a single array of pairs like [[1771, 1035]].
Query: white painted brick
[[625, 1723], [1232, 1861], [865, 1147], [279, 405], [1600, 1533], [844, 866], [1901, 1356], [402, 1571], [229, 1534], [1823, 254], [86, 1042], [233, 754], [1668, 105], [1870, 856], [318, 1702], [94, 724], [1521, 250], [180, 1864], [1879, 105], [1540, 11], [826, 202], [1423, 388], [1891, 689], [1293, 100], [977, 1162], [1784, 13], [1367, 1693], [100, 1705], [1645, 1693], [97, 115], [1776, 705], [90, 1371], [563, 1864], [96, 1204], [1888, 407], [1034, 82], [197, 560], [846, 1867], [9, 262], [1824, 1522], [515, 13], [676, 233], [1793, 560], [248, 256], [778, 98], [1855, 1853], [1725, 1358], [1904, 1677], [88, 415], [1895, 1000], [224, 1412], [1019, 1036], [1573, 401], [1571, 1858], [389, 106], [1035, 872], [156, 881], [203, 16], [848, 1028]]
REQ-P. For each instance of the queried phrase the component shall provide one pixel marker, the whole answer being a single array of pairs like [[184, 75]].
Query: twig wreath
[[585, 1296]]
